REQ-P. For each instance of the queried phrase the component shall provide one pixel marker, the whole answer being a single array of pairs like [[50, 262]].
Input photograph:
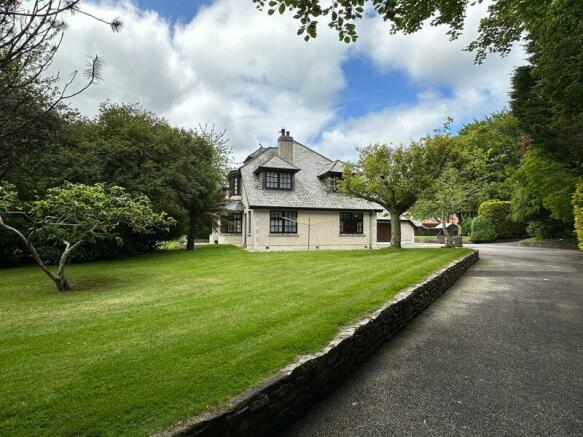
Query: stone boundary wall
[[282, 398]]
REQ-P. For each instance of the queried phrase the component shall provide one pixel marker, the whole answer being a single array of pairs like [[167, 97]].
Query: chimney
[[285, 146]]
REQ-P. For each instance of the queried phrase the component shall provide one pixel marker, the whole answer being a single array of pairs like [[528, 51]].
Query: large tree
[[547, 100], [31, 32], [73, 215], [180, 170], [395, 176], [491, 154]]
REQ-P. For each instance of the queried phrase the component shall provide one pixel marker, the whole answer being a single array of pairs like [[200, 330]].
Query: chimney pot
[[285, 146]]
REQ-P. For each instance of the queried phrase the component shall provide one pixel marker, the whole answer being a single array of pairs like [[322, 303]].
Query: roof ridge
[[312, 150]]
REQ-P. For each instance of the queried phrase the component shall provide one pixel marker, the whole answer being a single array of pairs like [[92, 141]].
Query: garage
[[384, 230]]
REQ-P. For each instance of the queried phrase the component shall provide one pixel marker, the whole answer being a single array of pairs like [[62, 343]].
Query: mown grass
[[145, 342]]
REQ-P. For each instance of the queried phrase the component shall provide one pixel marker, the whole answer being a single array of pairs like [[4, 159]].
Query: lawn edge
[[283, 397]]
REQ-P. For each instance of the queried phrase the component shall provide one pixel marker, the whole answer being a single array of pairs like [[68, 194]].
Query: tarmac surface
[[500, 353]]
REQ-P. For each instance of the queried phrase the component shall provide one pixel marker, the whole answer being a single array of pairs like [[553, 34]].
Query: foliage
[[31, 33], [578, 212], [98, 356], [499, 212], [504, 25], [482, 230], [179, 170], [395, 176], [443, 199], [547, 96], [543, 184], [75, 214], [466, 224], [491, 150], [547, 99]]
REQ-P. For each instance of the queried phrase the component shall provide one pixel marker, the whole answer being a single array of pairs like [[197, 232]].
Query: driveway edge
[[285, 396]]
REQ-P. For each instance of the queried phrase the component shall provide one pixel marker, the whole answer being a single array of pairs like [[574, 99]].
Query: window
[[333, 182], [351, 223], [249, 222], [231, 224], [235, 186], [283, 222], [278, 180]]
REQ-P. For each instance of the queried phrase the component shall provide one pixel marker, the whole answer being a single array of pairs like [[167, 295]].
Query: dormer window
[[333, 182], [278, 180]]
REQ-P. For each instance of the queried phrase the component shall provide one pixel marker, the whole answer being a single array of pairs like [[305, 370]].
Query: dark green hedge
[[578, 212], [482, 230], [498, 211]]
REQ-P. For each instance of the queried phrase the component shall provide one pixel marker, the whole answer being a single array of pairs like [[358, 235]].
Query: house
[[286, 198]]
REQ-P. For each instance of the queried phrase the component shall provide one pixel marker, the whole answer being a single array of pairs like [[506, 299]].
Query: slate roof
[[309, 192], [234, 206], [275, 162], [334, 167]]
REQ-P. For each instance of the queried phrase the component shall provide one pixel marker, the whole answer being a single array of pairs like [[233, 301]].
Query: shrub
[[482, 230], [466, 225], [578, 212], [498, 211], [548, 228]]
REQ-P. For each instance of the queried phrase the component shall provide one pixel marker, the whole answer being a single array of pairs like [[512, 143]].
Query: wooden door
[[383, 232]]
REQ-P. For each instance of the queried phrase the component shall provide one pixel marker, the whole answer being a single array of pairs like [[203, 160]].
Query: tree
[[505, 24], [491, 154], [443, 199], [198, 176], [179, 170], [30, 35], [394, 177], [547, 99], [543, 184], [73, 215]]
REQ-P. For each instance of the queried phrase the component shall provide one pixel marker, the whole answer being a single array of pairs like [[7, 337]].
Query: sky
[[224, 63]]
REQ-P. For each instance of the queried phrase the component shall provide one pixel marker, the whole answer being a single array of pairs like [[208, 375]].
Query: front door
[[383, 232]]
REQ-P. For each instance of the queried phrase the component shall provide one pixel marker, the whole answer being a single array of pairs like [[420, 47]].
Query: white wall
[[324, 232], [407, 232]]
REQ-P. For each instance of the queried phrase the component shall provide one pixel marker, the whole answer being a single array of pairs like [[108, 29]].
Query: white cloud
[[231, 66], [434, 62], [250, 74]]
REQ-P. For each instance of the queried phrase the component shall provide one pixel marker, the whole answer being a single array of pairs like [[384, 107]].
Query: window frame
[[277, 177], [235, 186], [285, 221], [233, 224], [356, 220]]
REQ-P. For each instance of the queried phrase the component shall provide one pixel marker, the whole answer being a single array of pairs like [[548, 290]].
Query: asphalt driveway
[[501, 353]]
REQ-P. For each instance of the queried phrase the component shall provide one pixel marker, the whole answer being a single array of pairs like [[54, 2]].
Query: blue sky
[[225, 63]]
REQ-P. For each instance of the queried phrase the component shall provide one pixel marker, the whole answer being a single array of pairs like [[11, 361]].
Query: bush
[[578, 212], [466, 225], [498, 211], [548, 228], [482, 230]]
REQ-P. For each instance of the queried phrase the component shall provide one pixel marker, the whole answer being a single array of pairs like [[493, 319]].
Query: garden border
[[286, 395]]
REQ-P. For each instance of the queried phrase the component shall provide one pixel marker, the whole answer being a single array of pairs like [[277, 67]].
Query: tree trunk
[[191, 232], [395, 229], [447, 237], [62, 283]]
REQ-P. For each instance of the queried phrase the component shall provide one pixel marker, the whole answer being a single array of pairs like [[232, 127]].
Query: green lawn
[[146, 342], [425, 239]]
